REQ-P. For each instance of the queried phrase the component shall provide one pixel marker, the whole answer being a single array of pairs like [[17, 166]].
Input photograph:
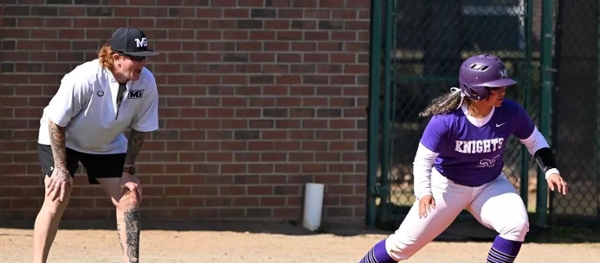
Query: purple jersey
[[471, 155]]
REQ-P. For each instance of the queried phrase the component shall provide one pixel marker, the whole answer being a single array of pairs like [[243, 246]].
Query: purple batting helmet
[[480, 73]]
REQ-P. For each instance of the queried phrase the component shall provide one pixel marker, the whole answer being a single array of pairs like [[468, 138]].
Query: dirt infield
[[258, 243]]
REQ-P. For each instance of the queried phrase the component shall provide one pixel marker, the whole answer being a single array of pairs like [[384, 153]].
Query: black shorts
[[96, 165]]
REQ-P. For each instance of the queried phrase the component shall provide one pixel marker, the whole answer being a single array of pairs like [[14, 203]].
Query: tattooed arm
[[60, 179], [134, 145], [57, 143], [145, 121]]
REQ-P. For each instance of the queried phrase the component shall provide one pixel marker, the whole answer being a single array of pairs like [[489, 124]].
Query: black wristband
[[545, 159]]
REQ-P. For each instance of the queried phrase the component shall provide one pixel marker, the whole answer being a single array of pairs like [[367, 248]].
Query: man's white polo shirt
[[86, 104]]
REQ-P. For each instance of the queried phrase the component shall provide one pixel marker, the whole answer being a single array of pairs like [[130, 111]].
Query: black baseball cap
[[131, 41]]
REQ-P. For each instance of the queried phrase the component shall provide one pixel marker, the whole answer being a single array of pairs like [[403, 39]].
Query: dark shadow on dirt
[[459, 231], [467, 229]]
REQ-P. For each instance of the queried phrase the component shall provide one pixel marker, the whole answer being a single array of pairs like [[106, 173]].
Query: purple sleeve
[[434, 134], [523, 124]]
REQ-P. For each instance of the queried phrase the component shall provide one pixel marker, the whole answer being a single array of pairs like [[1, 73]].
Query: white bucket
[[313, 205]]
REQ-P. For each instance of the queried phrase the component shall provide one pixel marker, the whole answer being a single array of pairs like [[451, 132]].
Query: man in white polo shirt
[[84, 122]]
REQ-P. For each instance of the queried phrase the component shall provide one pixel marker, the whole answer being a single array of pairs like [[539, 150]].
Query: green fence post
[[373, 112], [597, 139], [524, 191], [387, 108], [394, 46], [545, 103]]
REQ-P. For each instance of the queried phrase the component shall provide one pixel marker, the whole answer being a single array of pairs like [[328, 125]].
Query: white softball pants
[[496, 205]]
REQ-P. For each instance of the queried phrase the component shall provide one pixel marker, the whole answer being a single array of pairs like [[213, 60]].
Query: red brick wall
[[257, 98]]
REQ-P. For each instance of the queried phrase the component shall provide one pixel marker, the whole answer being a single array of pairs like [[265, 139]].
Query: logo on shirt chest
[[479, 146]]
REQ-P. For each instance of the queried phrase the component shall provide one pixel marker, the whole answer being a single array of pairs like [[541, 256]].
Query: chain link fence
[[576, 111], [423, 44]]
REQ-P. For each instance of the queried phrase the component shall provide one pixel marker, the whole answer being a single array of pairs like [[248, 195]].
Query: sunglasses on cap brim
[[134, 58]]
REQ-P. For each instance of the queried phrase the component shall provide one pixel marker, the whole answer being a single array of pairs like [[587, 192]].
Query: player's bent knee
[[515, 230], [56, 206], [402, 247], [48, 202]]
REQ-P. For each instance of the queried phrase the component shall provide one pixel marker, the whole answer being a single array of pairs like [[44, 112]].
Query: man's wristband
[[129, 169]]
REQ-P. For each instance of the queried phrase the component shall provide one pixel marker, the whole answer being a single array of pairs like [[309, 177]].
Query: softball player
[[84, 122], [458, 165]]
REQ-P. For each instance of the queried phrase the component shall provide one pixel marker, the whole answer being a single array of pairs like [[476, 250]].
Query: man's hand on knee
[[59, 185], [131, 185], [129, 200]]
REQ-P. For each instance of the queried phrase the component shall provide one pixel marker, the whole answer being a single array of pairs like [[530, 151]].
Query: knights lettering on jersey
[[479, 146]]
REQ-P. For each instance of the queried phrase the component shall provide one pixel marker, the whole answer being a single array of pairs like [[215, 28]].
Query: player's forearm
[[545, 160], [57, 143], [538, 147], [134, 145], [422, 167]]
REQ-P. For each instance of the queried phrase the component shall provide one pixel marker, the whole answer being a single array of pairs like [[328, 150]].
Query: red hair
[[106, 57]]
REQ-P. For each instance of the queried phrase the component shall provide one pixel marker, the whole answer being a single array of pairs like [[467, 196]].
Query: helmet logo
[[503, 74]]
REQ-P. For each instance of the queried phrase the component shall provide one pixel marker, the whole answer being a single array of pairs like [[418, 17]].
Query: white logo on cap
[[141, 42]]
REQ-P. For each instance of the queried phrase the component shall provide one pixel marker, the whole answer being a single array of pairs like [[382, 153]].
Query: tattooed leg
[[128, 229], [128, 213]]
